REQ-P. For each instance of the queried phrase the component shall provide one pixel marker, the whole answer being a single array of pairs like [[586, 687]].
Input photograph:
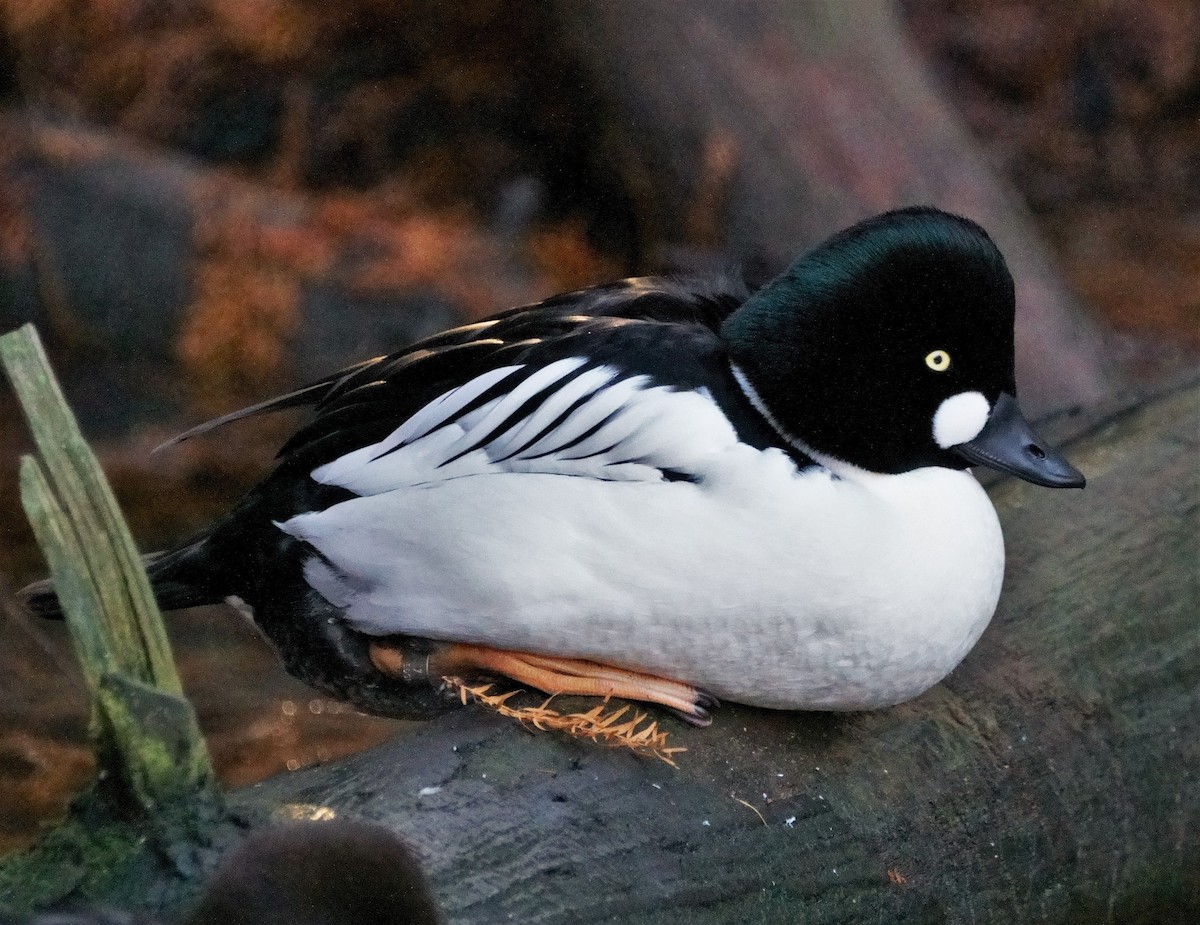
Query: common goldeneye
[[661, 489]]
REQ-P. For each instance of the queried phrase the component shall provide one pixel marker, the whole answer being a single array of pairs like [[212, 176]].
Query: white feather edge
[[651, 428]]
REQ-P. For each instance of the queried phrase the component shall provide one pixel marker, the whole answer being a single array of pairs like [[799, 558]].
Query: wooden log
[[827, 116], [1053, 777]]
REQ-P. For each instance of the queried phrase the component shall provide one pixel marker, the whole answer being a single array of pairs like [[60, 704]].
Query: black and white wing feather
[[568, 418], [617, 382]]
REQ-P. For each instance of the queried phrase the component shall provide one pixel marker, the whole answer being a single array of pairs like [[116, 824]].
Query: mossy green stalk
[[95, 535], [152, 757]]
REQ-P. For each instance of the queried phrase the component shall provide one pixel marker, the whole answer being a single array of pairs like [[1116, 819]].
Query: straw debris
[[612, 729]]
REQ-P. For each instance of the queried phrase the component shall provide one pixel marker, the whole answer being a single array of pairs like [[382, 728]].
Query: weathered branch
[[156, 782], [114, 617]]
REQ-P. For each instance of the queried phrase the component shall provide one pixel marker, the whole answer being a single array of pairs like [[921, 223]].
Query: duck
[[663, 489]]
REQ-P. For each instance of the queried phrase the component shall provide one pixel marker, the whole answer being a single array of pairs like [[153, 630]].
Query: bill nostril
[[1035, 451]]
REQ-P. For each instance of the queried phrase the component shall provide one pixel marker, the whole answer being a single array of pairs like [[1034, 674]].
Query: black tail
[[174, 578]]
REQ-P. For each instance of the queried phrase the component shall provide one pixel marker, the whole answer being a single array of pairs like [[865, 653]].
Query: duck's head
[[890, 348]]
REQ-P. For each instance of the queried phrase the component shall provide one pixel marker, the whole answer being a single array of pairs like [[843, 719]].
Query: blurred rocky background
[[205, 201]]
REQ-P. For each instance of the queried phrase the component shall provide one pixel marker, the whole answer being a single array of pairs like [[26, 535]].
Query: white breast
[[757, 583]]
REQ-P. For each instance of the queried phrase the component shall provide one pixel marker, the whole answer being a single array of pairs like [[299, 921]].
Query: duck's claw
[[551, 674], [701, 713]]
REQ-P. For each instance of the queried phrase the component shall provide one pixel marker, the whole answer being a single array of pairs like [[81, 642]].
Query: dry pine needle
[[637, 732]]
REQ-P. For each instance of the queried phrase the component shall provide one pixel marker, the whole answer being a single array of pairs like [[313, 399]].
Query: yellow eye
[[938, 361]]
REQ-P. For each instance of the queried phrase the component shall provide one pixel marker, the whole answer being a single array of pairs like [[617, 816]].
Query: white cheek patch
[[960, 418]]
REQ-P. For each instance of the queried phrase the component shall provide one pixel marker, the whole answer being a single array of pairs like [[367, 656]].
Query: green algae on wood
[[99, 856]]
